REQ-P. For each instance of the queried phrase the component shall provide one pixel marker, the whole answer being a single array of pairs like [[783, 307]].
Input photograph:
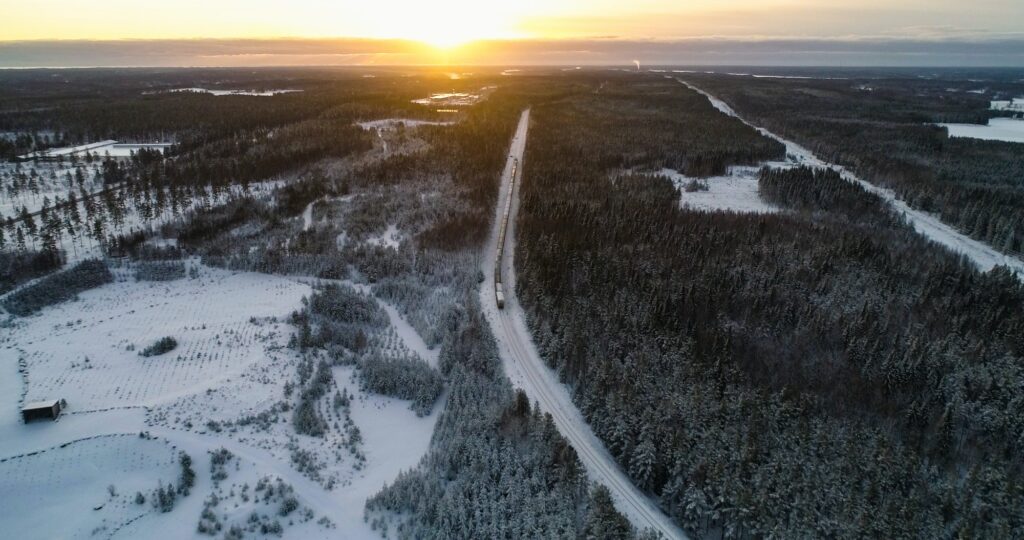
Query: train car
[[499, 293]]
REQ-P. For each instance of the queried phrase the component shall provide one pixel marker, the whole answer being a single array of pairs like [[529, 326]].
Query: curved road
[[527, 371]]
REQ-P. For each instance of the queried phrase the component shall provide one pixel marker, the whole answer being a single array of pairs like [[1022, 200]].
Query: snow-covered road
[[985, 257], [527, 371]]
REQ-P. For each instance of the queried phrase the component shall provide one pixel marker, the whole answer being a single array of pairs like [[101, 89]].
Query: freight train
[[499, 294]]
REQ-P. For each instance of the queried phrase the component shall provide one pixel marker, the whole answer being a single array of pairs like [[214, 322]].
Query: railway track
[[499, 294], [527, 370]]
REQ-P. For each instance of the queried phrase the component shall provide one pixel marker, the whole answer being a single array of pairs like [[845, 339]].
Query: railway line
[[499, 294], [527, 370]]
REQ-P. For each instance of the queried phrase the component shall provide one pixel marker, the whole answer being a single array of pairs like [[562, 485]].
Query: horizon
[[370, 52], [233, 33]]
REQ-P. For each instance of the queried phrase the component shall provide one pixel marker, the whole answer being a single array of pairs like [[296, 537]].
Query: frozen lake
[[998, 129]]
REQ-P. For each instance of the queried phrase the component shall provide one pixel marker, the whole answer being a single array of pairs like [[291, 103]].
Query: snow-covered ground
[[260, 93], [409, 337], [997, 129], [981, 254], [83, 246], [307, 215], [64, 491], [50, 181], [1015, 104], [527, 370], [100, 149], [222, 387], [391, 237], [392, 123], [88, 351], [735, 191], [450, 99]]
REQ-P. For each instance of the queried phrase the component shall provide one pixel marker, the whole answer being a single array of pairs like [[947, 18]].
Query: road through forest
[[984, 256], [527, 370]]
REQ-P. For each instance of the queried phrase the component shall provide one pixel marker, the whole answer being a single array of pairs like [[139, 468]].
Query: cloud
[[939, 47]]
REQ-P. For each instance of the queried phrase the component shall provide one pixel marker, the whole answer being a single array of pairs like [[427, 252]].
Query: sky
[[898, 32]]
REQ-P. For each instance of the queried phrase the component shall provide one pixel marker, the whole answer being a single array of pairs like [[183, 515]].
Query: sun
[[446, 24]]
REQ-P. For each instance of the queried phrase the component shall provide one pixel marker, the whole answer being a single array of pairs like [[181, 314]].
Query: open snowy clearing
[[527, 370], [453, 99], [241, 489], [393, 123], [258, 93], [998, 129], [224, 386], [735, 191], [88, 351], [1015, 104], [982, 255], [100, 149], [65, 490]]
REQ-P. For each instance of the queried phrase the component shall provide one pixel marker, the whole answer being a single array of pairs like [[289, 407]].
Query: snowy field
[[88, 351], [83, 489], [998, 129], [1015, 104], [393, 123], [258, 93], [100, 149], [451, 99], [735, 191], [225, 385]]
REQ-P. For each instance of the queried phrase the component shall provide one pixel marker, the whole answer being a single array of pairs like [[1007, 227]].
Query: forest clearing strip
[[983, 256]]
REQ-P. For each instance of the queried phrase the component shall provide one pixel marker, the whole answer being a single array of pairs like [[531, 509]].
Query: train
[[499, 293]]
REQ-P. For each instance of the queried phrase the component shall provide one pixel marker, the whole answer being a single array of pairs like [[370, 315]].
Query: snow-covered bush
[[161, 346]]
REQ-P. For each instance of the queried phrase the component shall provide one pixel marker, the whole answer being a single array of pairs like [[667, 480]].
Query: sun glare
[[446, 24]]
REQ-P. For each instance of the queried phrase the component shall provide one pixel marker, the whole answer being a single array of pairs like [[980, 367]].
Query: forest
[[884, 131], [292, 185], [820, 372]]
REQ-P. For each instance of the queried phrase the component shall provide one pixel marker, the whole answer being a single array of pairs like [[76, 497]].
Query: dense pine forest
[[883, 130], [822, 372]]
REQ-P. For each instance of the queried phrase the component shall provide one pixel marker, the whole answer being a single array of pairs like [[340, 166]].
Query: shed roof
[[48, 404]]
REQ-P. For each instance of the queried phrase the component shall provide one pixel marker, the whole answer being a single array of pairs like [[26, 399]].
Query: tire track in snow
[[527, 370], [984, 256]]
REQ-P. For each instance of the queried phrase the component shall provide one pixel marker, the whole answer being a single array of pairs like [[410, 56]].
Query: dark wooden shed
[[42, 410]]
